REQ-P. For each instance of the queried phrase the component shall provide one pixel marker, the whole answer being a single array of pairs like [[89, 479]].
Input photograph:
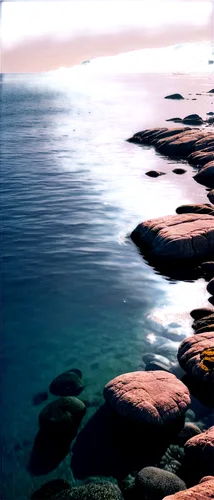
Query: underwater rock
[[156, 398], [190, 356], [210, 287], [154, 173], [199, 455], [154, 483], [174, 96], [67, 384], [204, 491], [40, 397], [93, 491], [205, 208], [206, 175], [50, 490], [179, 171], [185, 236], [190, 430], [62, 416], [156, 365], [211, 196], [203, 311]]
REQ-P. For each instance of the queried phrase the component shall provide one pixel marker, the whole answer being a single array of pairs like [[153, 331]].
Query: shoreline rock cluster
[[141, 437]]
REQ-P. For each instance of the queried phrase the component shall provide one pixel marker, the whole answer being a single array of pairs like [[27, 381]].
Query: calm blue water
[[75, 291]]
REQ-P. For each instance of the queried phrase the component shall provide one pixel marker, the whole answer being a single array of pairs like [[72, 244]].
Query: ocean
[[76, 293]]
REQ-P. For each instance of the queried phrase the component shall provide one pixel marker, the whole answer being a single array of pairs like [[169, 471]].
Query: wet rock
[[211, 196], [210, 287], [67, 384], [174, 96], [154, 483], [206, 270], [207, 141], [190, 430], [201, 158], [62, 416], [179, 171], [193, 120], [204, 491], [203, 322], [205, 208], [39, 398], [157, 398], [206, 175], [51, 489], [93, 491], [203, 329], [156, 365], [185, 236], [190, 356], [175, 120], [211, 91], [151, 136], [180, 145], [154, 173], [150, 357], [199, 455], [201, 313]]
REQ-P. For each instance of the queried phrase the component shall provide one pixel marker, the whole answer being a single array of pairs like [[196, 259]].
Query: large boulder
[[205, 176], [157, 398], [151, 136], [203, 491], [177, 237], [194, 355], [200, 158], [205, 208], [199, 454], [153, 483], [175, 96], [93, 491], [179, 145], [68, 383], [204, 322], [62, 415], [203, 312]]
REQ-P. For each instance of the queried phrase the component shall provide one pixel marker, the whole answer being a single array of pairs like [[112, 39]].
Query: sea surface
[[76, 293]]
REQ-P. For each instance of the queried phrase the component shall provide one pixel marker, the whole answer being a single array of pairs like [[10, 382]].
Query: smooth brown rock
[[154, 397], [205, 208], [180, 145], [201, 313], [206, 141], [200, 158], [204, 491], [183, 236], [190, 356], [206, 176]]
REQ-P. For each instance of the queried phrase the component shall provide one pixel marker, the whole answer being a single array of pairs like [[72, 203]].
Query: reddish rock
[[199, 452], [191, 356], [179, 145], [183, 236], [156, 398], [206, 478], [204, 491]]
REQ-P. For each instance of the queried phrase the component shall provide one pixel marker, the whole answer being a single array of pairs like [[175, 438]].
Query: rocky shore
[[140, 444]]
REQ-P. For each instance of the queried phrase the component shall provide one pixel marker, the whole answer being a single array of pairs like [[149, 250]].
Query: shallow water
[[76, 292]]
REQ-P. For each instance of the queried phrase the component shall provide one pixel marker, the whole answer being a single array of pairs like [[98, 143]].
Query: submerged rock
[[68, 383], [51, 490], [205, 208], [204, 491], [154, 483], [190, 430], [185, 236], [174, 96], [93, 491], [40, 397], [155, 397], [62, 416]]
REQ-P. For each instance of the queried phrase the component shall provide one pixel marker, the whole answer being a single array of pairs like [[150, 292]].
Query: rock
[[205, 142], [154, 483], [176, 120], [40, 397], [210, 113], [67, 384], [156, 365], [211, 300], [190, 430], [128, 488], [51, 489], [203, 322], [211, 196], [93, 491], [179, 171], [201, 313], [205, 208], [191, 354], [185, 236], [180, 145], [201, 158], [210, 287], [206, 478], [203, 329], [204, 491], [174, 96], [206, 175], [151, 136], [207, 270], [193, 119], [154, 173], [149, 357], [211, 91], [62, 416], [157, 398], [199, 454]]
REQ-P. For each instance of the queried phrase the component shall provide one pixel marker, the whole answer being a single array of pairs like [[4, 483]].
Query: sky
[[40, 36]]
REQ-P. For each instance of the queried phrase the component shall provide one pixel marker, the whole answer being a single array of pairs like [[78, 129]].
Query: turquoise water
[[75, 291]]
